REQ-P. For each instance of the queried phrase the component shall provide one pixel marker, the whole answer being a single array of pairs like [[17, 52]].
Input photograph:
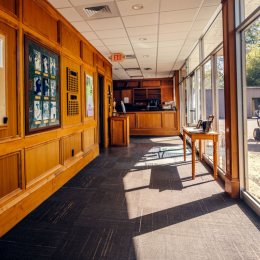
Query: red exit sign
[[118, 57]]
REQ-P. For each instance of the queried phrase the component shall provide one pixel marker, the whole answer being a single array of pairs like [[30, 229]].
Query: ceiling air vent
[[131, 69], [130, 56], [95, 9]]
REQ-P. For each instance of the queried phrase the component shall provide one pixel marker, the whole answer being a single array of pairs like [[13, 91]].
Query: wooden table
[[198, 134]]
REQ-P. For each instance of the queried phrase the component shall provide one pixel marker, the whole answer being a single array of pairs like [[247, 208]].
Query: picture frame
[[200, 122], [42, 87]]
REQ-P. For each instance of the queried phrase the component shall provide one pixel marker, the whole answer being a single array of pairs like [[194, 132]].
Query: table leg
[[193, 160], [200, 150], [215, 159], [184, 145]]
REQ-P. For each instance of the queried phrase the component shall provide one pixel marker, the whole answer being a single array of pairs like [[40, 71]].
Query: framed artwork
[[42, 91], [89, 96]]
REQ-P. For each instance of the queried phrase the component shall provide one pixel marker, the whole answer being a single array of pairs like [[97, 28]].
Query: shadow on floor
[[127, 205]]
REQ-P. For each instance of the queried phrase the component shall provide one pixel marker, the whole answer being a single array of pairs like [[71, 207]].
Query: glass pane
[[183, 72], [253, 106], [194, 59], [2, 81], [199, 95], [221, 111], [193, 103], [213, 37], [185, 87], [250, 6], [208, 98]]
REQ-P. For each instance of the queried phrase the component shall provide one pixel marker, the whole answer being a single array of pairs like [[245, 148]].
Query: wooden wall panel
[[72, 142], [170, 120], [10, 5], [87, 55], [41, 159], [10, 178], [152, 83], [69, 41], [11, 86], [69, 120], [132, 120], [36, 17], [89, 137], [150, 120], [41, 156], [167, 94]]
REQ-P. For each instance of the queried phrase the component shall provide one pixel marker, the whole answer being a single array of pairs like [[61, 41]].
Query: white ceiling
[[171, 28]]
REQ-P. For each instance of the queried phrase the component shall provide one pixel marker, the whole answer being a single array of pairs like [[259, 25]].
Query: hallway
[[138, 202]]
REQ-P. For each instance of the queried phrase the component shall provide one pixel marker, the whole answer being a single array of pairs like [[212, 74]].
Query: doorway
[[101, 110]]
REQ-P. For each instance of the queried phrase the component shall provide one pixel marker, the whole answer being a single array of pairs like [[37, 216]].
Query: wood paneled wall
[[34, 167]]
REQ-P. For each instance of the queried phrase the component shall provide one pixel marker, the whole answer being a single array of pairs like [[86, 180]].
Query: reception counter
[[153, 122]]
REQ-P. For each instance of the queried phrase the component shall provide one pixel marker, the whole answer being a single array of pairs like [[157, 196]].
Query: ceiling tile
[[121, 48], [90, 35], [60, 3], [140, 20], [97, 43], [177, 43], [178, 16], [168, 5], [144, 45], [169, 50], [106, 24], [146, 51], [103, 49], [195, 34], [175, 27], [206, 12], [172, 36], [116, 41], [149, 38], [200, 25], [70, 14], [115, 33], [88, 2], [130, 64], [147, 30], [125, 7], [81, 26], [211, 2]]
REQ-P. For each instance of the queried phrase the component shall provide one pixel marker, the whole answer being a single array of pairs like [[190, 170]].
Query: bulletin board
[[42, 87]]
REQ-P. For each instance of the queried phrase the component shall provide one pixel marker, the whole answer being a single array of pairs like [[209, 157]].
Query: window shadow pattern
[[125, 205]]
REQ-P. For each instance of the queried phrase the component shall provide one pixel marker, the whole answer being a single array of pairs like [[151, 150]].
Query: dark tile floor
[[138, 202]]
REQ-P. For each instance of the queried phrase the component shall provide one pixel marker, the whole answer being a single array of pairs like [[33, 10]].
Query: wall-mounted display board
[[89, 96], [73, 89], [42, 91], [2, 81]]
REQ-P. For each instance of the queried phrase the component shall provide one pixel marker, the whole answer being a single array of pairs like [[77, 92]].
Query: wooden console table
[[198, 134]]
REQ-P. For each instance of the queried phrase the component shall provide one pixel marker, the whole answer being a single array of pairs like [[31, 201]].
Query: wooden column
[[229, 43]]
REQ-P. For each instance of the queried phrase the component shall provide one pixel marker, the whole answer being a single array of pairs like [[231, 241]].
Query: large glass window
[[250, 6], [213, 37], [221, 111], [208, 101], [193, 100], [194, 59], [252, 99]]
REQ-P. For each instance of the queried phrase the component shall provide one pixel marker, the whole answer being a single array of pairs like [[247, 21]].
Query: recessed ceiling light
[[146, 56], [149, 76], [142, 39], [137, 7]]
